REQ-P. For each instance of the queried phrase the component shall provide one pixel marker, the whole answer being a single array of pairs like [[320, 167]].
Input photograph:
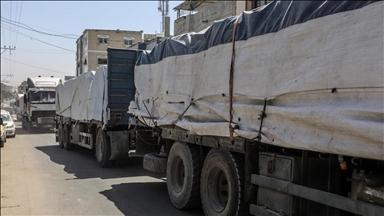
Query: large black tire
[[103, 149], [222, 184], [183, 175], [60, 135], [67, 138], [153, 163]]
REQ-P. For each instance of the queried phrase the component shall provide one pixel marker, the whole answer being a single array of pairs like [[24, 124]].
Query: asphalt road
[[40, 178]]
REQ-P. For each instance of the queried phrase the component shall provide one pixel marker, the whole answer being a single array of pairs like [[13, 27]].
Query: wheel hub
[[178, 174], [218, 189]]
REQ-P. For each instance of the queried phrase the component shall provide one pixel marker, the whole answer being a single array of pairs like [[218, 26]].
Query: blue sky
[[70, 17]]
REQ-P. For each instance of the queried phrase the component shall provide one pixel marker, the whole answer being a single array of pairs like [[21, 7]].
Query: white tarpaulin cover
[[322, 81], [83, 98]]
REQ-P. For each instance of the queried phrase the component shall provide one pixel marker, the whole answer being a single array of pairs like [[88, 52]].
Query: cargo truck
[[39, 103], [277, 111], [91, 110]]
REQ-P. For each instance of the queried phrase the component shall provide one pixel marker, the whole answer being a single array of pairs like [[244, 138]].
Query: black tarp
[[271, 18]]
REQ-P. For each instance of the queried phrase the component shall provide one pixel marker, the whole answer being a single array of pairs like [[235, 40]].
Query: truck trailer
[[39, 103], [277, 111], [91, 109]]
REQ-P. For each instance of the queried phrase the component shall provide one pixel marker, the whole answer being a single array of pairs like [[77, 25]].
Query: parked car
[[10, 128], [3, 136]]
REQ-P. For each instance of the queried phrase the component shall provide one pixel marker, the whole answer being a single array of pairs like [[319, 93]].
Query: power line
[[43, 51], [10, 17], [30, 26], [17, 31], [32, 38], [24, 26], [2, 26], [10, 38], [17, 8], [34, 30], [37, 66]]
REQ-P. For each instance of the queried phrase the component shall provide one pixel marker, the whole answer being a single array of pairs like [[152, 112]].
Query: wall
[[210, 13], [115, 39]]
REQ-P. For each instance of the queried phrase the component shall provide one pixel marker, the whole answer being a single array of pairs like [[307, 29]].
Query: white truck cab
[[39, 103]]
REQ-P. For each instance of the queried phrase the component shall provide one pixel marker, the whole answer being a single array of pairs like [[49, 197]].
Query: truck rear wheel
[[222, 184], [67, 138], [153, 163], [60, 135], [183, 175], [103, 149]]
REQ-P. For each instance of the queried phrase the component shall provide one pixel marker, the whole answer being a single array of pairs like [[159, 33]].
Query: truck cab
[[39, 102]]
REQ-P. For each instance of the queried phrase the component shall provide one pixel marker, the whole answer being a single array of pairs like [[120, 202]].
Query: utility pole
[[6, 76], [8, 48]]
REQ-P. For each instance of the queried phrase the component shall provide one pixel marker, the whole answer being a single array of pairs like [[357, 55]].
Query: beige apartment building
[[92, 45]]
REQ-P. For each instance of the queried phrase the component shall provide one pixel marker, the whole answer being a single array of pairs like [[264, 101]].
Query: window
[[128, 41], [6, 117], [102, 61], [42, 97], [102, 39]]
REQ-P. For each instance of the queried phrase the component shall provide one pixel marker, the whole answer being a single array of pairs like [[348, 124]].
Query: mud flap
[[120, 141]]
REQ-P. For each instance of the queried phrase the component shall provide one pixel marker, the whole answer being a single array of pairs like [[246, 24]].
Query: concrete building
[[21, 89], [92, 45], [6, 88], [148, 37], [148, 44], [196, 15]]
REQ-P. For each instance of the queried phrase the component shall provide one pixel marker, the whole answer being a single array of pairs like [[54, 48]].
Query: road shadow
[[146, 198], [82, 163]]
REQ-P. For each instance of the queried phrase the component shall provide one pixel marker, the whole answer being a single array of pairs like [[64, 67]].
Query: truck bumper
[[50, 126]]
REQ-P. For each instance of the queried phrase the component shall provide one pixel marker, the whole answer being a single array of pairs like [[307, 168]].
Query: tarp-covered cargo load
[[315, 67], [83, 98], [103, 95]]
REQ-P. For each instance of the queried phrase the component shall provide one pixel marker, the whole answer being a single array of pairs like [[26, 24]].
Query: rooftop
[[191, 5], [109, 30], [116, 30]]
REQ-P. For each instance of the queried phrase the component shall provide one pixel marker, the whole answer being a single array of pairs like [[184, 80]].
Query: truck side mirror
[[1, 121], [25, 98]]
